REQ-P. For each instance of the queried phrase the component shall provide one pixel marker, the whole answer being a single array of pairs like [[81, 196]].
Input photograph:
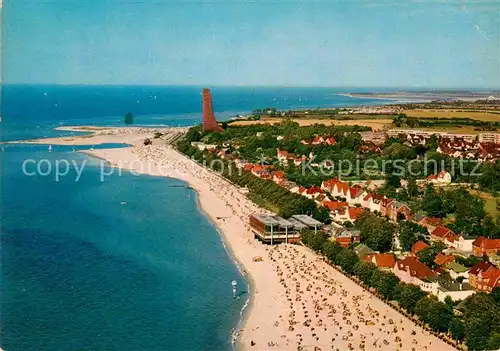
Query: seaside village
[[346, 203], [429, 232]]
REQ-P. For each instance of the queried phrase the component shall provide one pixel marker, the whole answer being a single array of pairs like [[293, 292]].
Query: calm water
[[82, 271], [128, 263]]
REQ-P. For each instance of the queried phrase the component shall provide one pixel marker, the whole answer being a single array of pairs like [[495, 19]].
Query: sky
[[434, 44]]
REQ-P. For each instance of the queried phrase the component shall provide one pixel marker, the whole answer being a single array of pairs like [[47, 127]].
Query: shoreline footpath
[[297, 300]]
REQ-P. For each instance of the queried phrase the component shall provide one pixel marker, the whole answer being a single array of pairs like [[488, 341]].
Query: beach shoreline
[[296, 299], [247, 307]]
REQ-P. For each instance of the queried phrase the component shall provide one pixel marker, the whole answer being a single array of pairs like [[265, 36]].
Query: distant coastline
[[427, 96]]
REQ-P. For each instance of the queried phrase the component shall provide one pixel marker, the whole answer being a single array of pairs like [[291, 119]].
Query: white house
[[464, 243], [442, 177]]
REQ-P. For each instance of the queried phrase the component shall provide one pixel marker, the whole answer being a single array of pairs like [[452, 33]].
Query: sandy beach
[[298, 300]]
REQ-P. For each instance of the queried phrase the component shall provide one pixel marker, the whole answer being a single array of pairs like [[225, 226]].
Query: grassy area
[[343, 117], [262, 203], [376, 124], [477, 115], [490, 205], [453, 129], [491, 208]]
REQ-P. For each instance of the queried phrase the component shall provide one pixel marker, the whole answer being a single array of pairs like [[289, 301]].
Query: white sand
[[298, 301]]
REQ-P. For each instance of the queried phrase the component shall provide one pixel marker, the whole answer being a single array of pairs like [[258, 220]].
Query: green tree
[[407, 295], [448, 301], [392, 181], [376, 232], [331, 250], [318, 240], [385, 283], [129, 118], [409, 233], [481, 320], [412, 188], [306, 235], [351, 141], [495, 295], [322, 214], [489, 176], [428, 255], [434, 313], [364, 271], [432, 202], [476, 333], [494, 341], [347, 259], [457, 328]]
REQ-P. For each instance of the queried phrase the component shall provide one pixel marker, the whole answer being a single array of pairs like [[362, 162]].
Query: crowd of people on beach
[[330, 312]]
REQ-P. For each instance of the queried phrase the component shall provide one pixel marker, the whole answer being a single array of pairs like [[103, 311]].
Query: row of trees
[[479, 326], [286, 202]]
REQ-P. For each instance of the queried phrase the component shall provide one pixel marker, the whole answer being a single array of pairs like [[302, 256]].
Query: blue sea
[[126, 262]]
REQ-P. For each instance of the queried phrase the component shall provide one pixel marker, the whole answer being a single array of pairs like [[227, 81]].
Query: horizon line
[[431, 88]]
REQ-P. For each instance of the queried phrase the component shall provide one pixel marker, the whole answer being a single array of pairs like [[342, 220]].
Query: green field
[[490, 205]]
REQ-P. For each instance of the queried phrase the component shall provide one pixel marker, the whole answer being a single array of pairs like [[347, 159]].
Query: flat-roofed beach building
[[308, 221], [273, 229], [297, 225]]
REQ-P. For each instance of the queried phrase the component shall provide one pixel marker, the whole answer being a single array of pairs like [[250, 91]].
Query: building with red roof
[[397, 210], [417, 247], [443, 260], [278, 176], [441, 234], [328, 185], [355, 195], [484, 246], [313, 191], [284, 156], [431, 223], [412, 271], [385, 204], [297, 161], [354, 213], [346, 237], [319, 140], [334, 205], [484, 276], [488, 280], [262, 171], [248, 167], [384, 261]]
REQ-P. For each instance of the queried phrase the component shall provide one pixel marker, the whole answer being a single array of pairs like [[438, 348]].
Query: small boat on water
[[50, 148]]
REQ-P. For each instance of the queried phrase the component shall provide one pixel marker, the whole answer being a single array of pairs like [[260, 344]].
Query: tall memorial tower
[[209, 121]]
